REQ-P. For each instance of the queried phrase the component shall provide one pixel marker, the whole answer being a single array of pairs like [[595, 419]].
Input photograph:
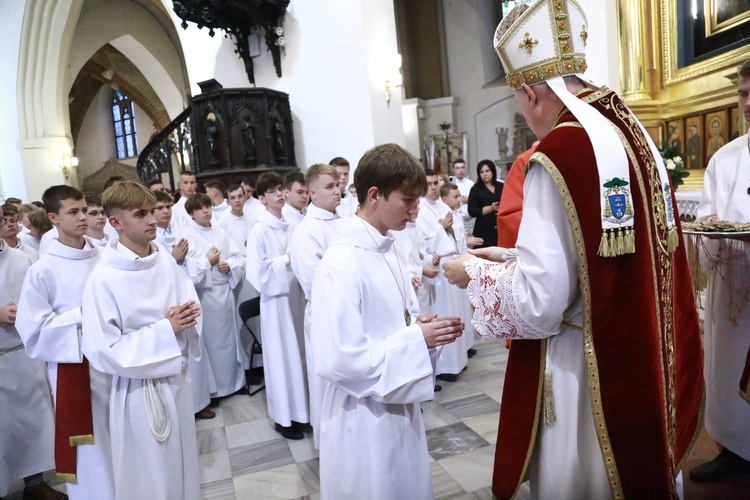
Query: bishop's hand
[[454, 271]]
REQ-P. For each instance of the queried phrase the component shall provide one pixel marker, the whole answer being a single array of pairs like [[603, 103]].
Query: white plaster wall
[[134, 32], [11, 173], [96, 140], [333, 71], [476, 112]]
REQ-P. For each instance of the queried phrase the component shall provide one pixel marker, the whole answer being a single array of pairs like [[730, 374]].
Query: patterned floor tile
[[473, 469], [259, 457], [472, 406], [452, 440], [220, 490], [247, 433], [310, 473], [214, 467], [280, 482], [211, 440]]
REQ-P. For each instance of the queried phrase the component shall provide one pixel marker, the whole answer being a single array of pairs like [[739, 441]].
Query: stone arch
[[45, 75]]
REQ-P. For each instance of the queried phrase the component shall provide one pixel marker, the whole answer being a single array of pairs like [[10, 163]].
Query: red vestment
[[641, 337], [511, 202]]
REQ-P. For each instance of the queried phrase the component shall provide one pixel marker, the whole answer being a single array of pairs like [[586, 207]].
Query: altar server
[[268, 270], [370, 346], [140, 325], [49, 323], [223, 268], [26, 439], [308, 245]]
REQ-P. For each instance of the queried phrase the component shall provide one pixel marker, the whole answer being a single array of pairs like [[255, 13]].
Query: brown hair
[[744, 69], [266, 181], [54, 196], [292, 177], [127, 196], [389, 167], [319, 169], [162, 197], [446, 188], [339, 162], [196, 202]]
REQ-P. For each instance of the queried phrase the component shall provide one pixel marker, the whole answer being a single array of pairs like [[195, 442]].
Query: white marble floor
[[242, 457]]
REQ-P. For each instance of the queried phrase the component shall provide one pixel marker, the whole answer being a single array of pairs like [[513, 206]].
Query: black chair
[[248, 310]]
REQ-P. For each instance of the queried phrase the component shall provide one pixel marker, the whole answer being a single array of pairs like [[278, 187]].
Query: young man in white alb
[[97, 220], [166, 234], [140, 325], [268, 270], [349, 204], [49, 323], [253, 207], [220, 268], [372, 345], [435, 221], [187, 187], [238, 224], [297, 198], [308, 245], [219, 205], [26, 439], [10, 233]]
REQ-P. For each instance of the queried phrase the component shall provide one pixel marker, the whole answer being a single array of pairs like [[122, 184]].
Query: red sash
[[73, 419], [645, 364]]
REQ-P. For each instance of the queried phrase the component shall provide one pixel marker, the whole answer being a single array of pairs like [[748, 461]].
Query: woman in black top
[[484, 199]]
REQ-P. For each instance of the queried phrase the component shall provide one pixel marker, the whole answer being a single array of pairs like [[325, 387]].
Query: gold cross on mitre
[[585, 35], [528, 43]]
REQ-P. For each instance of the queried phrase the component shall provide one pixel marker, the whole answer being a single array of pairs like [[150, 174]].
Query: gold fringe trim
[[673, 239], [549, 400], [67, 478], [79, 440], [616, 242]]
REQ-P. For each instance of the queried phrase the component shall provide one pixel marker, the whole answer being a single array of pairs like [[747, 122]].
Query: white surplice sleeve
[[396, 369], [267, 273], [526, 297], [196, 263], [145, 353], [307, 249], [234, 258], [707, 206], [46, 334]]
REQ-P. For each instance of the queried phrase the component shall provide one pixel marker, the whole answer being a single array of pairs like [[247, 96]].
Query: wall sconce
[[394, 79], [68, 162]]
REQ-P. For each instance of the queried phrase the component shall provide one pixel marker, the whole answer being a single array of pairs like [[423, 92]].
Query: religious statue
[[280, 141], [502, 141], [248, 140], [212, 131]]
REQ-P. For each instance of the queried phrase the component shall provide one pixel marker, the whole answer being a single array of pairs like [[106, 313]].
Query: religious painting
[[734, 123], [715, 130], [442, 149], [694, 142], [655, 133], [722, 15], [675, 136]]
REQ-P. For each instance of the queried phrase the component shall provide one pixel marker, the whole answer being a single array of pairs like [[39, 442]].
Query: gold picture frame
[[715, 25], [715, 133], [672, 73]]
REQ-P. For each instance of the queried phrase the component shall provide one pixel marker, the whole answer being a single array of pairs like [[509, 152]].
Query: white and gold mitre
[[541, 42]]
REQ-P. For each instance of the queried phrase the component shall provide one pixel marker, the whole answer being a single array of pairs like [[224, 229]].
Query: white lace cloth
[[496, 312]]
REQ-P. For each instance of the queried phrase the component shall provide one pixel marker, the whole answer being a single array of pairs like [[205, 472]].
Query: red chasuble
[[511, 202], [642, 342]]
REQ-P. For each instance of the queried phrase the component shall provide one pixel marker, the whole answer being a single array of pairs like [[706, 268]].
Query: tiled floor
[[242, 457]]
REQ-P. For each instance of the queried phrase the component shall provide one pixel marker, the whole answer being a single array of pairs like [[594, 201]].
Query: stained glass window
[[123, 116]]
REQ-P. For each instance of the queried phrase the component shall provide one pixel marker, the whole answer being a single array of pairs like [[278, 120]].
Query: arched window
[[123, 116]]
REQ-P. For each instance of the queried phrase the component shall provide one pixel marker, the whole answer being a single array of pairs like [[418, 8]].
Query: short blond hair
[[315, 171], [27, 208], [127, 196]]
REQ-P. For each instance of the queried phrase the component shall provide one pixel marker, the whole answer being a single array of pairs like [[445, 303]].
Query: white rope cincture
[[159, 418]]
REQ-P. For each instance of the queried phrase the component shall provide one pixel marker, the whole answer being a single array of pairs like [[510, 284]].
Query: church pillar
[[636, 62]]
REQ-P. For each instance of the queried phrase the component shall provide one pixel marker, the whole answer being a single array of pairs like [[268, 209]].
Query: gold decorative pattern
[[565, 62], [537, 413], [585, 35], [588, 340], [528, 43]]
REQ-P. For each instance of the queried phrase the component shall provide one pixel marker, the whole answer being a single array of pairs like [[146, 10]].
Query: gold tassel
[[603, 245], [67, 478], [549, 399], [673, 239], [79, 440], [631, 240], [620, 243]]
